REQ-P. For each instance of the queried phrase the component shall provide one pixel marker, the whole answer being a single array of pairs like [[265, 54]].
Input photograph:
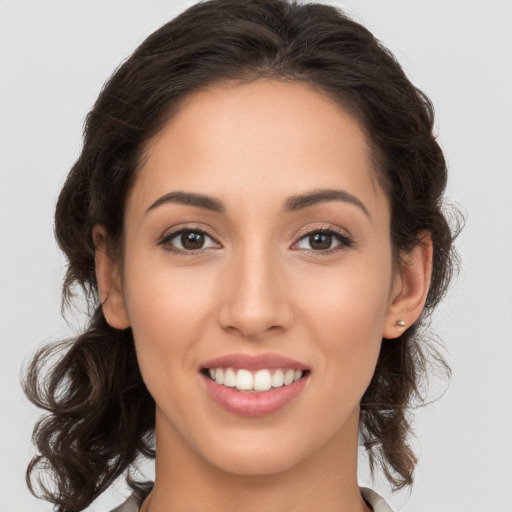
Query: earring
[[400, 323]]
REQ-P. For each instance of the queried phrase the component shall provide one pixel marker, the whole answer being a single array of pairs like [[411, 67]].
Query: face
[[257, 241]]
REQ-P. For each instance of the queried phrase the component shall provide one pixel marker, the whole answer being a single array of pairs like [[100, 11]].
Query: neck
[[327, 480]]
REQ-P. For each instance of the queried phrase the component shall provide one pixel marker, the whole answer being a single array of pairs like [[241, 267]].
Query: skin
[[259, 285]]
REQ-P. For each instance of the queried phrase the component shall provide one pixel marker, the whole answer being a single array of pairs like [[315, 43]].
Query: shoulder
[[134, 501], [374, 500]]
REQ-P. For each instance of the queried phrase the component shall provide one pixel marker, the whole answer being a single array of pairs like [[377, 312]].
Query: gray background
[[55, 56]]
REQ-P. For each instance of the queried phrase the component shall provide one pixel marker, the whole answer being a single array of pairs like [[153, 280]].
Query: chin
[[264, 453], [261, 463]]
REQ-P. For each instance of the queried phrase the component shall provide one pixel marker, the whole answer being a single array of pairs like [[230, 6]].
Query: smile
[[256, 381], [254, 385]]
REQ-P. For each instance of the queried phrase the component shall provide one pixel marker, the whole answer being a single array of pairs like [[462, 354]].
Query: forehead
[[260, 140]]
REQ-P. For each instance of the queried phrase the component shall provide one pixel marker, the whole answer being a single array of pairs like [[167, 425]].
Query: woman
[[256, 221]]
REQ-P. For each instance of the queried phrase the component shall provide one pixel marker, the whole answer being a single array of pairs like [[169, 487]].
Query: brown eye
[[188, 241], [320, 241], [324, 240], [192, 240]]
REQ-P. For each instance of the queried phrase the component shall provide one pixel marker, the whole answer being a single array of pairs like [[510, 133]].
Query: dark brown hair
[[100, 415]]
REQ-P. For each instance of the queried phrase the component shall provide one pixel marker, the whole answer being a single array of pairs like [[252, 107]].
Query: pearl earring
[[400, 323]]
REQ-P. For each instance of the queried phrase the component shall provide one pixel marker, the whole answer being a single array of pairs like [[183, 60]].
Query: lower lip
[[253, 404]]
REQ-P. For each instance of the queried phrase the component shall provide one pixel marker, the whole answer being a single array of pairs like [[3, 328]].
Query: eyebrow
[[301, 201], [292, 204], [190, 199]]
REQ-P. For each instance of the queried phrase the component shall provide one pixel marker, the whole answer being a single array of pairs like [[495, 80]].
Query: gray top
[[135, 500]]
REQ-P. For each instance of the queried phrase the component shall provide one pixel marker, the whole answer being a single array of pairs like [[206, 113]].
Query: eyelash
[[344, 240]]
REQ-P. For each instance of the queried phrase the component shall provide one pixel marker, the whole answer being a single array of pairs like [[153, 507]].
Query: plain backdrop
[[54, 57]]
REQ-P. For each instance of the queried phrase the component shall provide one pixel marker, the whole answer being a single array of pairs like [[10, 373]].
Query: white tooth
[[244, 380], [219, 376], [288, 377], [262, 380], [230, 378], [278, 379], [212, 373], [297, 375]]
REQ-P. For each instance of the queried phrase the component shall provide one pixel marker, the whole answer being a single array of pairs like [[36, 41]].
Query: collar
[[141, 490]]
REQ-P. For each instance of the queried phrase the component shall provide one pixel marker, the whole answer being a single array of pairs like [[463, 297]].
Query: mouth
[[248, 385], [252, 381]]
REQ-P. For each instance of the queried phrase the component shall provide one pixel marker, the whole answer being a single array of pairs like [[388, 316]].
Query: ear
[[108, 276], [410, 288]]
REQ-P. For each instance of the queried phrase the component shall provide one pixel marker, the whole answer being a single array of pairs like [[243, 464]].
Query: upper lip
[[254, 362]]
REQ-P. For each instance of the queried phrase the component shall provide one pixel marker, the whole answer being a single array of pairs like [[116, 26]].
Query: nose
[[255, 297]]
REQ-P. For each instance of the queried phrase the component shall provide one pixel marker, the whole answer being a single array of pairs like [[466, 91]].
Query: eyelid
[[169, 235], [343, 237], [322, 227]]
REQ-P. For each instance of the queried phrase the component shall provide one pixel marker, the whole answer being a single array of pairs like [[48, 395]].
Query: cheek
[[346, 317], [168, 309], [350, 302]]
